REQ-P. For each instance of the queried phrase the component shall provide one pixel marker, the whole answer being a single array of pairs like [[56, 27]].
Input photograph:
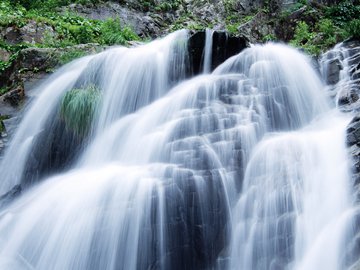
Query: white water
[[154, 68], [209, 33], [247, 165]]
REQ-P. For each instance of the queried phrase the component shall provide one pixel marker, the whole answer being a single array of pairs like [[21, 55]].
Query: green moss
[[79, 107]]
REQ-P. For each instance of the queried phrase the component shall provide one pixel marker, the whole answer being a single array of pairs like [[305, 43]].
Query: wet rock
[[348, 99], [15, 96], [333, 72], [353, 143], [224, 46], [10, 196], [34, 63]]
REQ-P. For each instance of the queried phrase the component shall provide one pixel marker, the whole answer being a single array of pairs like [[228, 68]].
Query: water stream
[[243, 168]]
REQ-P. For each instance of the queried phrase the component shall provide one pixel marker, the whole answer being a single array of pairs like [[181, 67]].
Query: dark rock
[[11, 35], [15, 96], [39, 58], [34, 63], [224, 46], [333, 71], [10, 196], [353, 143], [347, 99]]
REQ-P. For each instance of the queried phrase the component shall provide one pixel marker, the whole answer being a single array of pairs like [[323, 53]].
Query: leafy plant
[[304, 38], [112, 32]]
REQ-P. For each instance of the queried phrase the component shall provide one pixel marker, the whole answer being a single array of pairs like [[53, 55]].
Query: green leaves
[[112, 33]]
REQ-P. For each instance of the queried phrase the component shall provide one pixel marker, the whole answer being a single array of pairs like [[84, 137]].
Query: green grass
[[79, 107]]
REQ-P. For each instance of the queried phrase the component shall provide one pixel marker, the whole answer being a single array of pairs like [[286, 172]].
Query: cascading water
[[42, 142], [235, 169], [209, 34]]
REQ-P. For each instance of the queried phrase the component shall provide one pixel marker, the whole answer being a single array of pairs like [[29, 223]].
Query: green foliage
[[232, 28], [269, 37], [112, 33], [4, 90], [167, 6], [79, 107], [189, 21], [49, 4], [11, 15], [6, 65], [343, 12], [353, 28], [329, 33], [302, 33], [229, 6], [68, 56], [68, 28], [304, 38]]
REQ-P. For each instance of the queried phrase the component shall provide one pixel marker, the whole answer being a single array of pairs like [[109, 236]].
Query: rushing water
[[244, 168]]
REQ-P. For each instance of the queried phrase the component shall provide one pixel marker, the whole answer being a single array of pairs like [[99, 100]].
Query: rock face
[[224, 46], [36, 61], [32, 32], [351, 259], [145, 24], [257, 28], [346, 76], [341, 71]]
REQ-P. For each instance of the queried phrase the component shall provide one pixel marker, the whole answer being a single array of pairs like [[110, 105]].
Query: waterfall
[[42, 142], [243, 168], [209, 33]]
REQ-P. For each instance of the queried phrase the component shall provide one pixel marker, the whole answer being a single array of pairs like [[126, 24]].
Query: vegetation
[[333, 24], [63, 29], [2, 126], [78, 109]]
